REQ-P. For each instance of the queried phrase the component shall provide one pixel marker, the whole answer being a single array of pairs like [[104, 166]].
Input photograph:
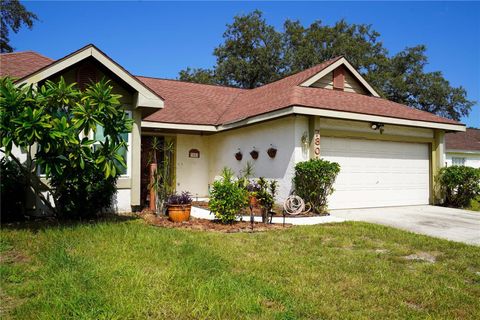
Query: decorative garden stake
[[272, 152], [238, 155], [254, 154]]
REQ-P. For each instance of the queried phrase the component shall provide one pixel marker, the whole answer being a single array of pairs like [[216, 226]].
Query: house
[[389, 153], [463, 148]]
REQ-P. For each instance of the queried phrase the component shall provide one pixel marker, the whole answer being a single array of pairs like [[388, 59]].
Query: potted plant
[[179, 206], [254, 154], [253, 188], [238, 155], [272, 152], [267, 191]]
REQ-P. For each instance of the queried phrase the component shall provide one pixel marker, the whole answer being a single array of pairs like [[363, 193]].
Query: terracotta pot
[[272, 152], [179, 212], [238, 156], [253, 201], [254, 154]]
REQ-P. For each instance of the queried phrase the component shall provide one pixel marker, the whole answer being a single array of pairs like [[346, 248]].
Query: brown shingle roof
[[20, 64], [468, 140], [191, 103]]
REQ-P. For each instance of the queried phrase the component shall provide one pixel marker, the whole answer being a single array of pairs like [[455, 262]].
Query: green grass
[[129, 270], [475, 204]]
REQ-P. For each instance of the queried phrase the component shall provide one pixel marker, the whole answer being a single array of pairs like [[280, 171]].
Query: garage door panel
[[377, 173]]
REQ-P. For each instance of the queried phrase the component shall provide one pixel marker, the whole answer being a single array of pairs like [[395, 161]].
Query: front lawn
[[130, 270]]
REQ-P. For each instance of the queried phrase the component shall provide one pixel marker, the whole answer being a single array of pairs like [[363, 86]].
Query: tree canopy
[[13, 15], [253, 53], [61, 121]]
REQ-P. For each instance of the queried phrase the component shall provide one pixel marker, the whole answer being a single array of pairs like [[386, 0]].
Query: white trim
[[145, 97], [333, 66], [178, 126], [305, 111], [463, 151], [260, 118], [373, 118]]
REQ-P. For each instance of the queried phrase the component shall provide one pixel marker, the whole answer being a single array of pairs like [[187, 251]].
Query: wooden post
[[153, 195]]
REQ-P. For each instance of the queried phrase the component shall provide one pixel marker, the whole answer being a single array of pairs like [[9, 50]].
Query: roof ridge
[[191, 82], [326, 62]]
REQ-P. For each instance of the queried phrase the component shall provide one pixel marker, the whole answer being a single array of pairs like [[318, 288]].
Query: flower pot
[[179, 212], [238, 156], [272, 152], [252, 201], [254, 154]]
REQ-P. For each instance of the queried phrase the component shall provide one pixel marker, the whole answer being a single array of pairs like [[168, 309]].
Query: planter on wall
[[238, 156], [254, 154], [272, 152]]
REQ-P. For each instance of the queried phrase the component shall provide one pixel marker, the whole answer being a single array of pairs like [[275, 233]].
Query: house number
[[194, 153], [316, 140]]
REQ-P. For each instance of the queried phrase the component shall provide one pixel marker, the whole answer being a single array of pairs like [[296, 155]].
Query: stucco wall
[[471, 160], [192, 173], [283, 134], [364, 127]]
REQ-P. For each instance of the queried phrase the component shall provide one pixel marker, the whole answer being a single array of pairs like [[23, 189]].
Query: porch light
[[377, 126]]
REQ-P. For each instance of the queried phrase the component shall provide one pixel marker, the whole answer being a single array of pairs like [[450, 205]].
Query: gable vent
[[339, 78], [86, 74]]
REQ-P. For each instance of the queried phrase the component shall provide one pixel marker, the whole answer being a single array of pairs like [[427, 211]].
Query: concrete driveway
[[447, 223]]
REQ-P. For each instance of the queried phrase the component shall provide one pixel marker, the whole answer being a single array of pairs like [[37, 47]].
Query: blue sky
[[160, 38]]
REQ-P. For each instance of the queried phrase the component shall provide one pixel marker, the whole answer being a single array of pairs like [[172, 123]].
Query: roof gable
[[145, 97], [353, 77]]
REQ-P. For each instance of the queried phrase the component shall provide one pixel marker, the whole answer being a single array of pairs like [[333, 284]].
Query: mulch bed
[[211, 225]]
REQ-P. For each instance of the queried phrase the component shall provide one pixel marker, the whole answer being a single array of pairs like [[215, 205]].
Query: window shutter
[[86, 74]]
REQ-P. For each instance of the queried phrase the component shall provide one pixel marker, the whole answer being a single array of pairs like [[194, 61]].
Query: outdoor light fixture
[[377, 126]]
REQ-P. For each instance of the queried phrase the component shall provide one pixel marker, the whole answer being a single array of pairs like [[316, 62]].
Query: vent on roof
[[86, 74]]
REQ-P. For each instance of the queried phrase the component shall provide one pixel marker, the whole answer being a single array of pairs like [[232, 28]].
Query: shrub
[[459, 185], [265, 194], [228, 197], [13, 189], [313, 182], [83, 194]]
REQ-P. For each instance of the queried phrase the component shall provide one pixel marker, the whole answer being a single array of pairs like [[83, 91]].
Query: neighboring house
[[463, 148], [388, 152]]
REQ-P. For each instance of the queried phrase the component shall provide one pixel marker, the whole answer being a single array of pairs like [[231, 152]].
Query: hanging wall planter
[[254, 154], [272, 152], [239, 155]]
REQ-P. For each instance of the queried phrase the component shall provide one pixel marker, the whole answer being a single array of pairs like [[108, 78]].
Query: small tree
[[62, 121], [459, 185], [314, 180]]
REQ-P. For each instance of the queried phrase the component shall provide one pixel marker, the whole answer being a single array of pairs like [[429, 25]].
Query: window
[[456, 161], [124, 152]]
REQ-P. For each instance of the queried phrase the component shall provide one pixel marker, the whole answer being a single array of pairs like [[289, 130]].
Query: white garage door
[[377, 173]]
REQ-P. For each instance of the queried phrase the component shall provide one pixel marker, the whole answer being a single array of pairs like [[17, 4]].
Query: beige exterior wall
[[192, 173], [472, 159], [353, 85], [326, 82]]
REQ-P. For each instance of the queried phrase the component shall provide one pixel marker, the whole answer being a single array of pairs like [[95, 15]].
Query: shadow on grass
[[44, 223]]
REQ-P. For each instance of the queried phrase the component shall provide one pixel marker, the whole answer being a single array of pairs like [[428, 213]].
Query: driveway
[[447, 223]]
